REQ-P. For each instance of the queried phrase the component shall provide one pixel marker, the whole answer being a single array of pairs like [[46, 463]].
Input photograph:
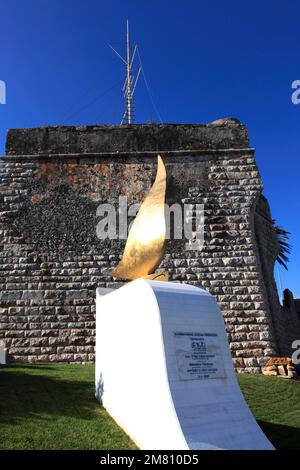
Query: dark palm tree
[[283, 238]]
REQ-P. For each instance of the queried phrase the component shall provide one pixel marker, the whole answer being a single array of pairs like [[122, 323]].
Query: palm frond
[[283, 238]]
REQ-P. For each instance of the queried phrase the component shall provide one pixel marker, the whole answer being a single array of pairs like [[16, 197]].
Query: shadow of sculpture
[[282, 437], [100, 389]]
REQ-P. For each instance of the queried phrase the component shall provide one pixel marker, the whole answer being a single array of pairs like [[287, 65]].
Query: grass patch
[[52, 407], [275, 403]]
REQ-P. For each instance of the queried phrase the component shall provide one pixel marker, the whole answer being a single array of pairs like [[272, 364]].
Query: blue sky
[[203, 60]]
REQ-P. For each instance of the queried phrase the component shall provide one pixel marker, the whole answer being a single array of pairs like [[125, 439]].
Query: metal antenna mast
[[130, 82]]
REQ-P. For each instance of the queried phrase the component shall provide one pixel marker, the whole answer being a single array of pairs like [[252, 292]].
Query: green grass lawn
[[275, 403], [53, 407]]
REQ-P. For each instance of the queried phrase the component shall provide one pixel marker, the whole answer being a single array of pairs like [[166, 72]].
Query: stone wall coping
[[222, 134], [163, 153]]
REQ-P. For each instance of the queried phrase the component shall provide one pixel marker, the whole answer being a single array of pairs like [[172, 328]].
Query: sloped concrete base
[[164, 370]]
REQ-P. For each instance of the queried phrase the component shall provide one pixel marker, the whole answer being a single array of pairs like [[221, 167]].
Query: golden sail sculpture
[[145, 246]]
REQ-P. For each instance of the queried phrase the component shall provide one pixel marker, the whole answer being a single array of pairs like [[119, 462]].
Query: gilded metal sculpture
[[145, 246]]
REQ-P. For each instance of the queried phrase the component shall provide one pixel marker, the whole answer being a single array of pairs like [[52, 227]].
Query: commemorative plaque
[[198, 356]]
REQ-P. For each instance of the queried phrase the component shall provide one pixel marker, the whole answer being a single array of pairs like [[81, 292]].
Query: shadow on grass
[[282, 437], [23, 366], [31, 393], [25, 395]]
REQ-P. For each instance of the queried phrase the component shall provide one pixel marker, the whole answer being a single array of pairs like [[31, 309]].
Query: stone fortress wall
[[53, 178]]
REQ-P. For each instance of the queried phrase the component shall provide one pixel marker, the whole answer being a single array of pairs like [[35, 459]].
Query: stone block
[[32, 295], [270, 373], [250, 362], [10, 295], [281, 370]]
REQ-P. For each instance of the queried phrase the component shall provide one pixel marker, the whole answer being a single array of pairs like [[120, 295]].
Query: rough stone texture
[[52, 181], [225, 133], [281, 366], [284, 320], [289, 323], [297, 306], [281, 361]]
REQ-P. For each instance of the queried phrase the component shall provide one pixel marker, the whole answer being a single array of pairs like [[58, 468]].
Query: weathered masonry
[[52, 180]]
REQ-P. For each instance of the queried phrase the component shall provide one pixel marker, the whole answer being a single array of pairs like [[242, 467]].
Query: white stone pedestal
[[164, 370]]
